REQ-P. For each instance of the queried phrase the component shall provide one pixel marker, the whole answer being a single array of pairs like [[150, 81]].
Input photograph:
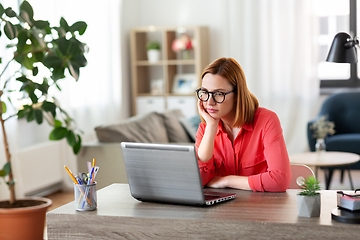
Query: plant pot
[[308, 206], [153, 55], [24, 222]]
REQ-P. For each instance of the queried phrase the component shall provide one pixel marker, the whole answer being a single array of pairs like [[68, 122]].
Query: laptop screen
[[163, 172]]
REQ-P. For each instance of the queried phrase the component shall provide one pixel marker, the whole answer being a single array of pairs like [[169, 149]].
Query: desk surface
[[251, 215], [326, 159]]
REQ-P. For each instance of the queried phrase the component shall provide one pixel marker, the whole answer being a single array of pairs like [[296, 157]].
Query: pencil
[[73, 178], [71, 175]]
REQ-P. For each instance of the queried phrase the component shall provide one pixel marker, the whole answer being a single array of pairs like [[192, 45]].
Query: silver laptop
[[167, 173]]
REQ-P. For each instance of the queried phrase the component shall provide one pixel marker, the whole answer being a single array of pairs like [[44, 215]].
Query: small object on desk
[[85, 197], [348, 210], [348, 201]]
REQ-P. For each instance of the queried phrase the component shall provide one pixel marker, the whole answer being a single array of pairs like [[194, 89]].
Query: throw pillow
[[148, 128], [175, 131], [191, 125]]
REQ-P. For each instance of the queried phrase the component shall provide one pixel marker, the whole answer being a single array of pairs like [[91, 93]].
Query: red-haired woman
[[239, 144]]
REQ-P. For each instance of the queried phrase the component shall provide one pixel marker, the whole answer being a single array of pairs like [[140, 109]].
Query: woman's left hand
[[231, 181], [217, 182]]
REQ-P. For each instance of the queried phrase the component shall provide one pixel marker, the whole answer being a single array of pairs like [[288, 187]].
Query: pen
[[91, 177]]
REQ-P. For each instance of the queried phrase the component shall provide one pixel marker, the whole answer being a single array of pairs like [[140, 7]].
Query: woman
[[239, 144]]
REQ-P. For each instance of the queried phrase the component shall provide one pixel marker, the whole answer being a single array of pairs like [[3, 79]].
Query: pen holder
[[85, 197]]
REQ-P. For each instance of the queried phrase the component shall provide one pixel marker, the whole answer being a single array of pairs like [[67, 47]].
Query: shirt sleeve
[[206, 168], [278, 175]]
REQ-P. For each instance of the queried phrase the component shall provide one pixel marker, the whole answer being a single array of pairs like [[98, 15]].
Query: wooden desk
[[326, 159], [252, 215]]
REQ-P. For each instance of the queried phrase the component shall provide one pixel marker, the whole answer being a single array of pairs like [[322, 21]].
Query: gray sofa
[[167, 127]]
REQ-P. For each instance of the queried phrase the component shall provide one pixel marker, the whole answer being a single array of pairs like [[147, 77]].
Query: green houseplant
[[308, 201], [40, 54], [153, 51]]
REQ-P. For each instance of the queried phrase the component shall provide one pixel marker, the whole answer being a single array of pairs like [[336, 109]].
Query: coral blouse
[[259, 151]]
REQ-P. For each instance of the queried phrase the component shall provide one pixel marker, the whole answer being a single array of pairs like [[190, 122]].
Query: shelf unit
[[155, 85]]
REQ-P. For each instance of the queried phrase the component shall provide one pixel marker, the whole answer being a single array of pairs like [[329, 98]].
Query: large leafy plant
[[40, 54]]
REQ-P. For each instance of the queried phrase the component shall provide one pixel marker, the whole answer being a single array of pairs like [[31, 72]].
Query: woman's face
[[224, 110]]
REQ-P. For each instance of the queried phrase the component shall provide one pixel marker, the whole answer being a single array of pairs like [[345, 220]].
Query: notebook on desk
[[167, 173]]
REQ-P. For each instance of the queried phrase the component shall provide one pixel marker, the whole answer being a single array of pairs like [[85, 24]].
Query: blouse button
[[206, 169]]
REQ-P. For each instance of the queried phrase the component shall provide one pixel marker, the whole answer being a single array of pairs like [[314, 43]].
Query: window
[[337, 16]]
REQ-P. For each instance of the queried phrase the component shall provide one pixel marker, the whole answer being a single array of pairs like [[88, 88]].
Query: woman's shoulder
[[264, 114]]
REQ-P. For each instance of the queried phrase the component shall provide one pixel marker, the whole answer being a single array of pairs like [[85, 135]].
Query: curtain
[[275, 42]]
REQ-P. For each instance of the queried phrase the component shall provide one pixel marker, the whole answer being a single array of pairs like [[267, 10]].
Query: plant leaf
[[6, 170], [2, 10], [64, 24], [79, 26], [51, 61], [58, 133], [10, 30], [25, 7], [3, 107], [57, 123], [77, 146], [70, 137], [38, 116], [41, 24], [9, 12]]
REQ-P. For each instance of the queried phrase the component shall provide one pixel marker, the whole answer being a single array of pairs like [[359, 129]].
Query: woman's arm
[[206, 146], [278, 175], [231, 181]]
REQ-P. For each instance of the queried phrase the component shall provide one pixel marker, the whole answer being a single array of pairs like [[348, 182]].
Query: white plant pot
[[308, 206], [153, 55]]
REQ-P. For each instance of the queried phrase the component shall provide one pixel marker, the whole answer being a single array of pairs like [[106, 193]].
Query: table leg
[[328, 175], [350, 179]]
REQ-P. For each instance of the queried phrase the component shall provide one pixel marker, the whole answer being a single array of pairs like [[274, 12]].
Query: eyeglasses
[[218, 97]]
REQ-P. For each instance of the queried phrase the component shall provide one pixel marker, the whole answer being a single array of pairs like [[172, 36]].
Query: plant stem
[[8, 156]]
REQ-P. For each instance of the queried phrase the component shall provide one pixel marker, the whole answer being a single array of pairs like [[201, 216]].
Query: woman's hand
[[231, 181], [205, 115], [217, 182]]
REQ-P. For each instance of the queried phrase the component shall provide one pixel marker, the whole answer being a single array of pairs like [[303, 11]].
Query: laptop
[[167, 173]]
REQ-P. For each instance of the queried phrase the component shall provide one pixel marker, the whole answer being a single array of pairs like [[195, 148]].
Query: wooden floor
[[60, 198]]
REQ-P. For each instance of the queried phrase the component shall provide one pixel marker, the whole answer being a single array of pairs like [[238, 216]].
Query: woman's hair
[[246, 102]]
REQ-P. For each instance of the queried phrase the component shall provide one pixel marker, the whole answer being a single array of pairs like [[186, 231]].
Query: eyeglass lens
[[218, 97]]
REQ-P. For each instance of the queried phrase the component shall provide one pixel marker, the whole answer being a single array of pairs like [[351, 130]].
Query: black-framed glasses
[[218, 97]]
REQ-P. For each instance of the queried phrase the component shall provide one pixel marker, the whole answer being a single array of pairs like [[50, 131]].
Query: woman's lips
[[210, 110]]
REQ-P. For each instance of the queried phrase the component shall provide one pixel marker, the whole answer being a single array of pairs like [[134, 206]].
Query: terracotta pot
[[24, 222]]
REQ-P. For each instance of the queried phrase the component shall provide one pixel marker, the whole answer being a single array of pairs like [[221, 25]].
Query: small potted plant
[[153, 51], [308, 201]]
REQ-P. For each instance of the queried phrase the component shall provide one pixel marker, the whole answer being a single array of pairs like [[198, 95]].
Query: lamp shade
[[340, 52]]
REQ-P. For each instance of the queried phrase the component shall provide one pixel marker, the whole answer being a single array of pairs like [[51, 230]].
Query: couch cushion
[[344, 143], [175, 131], [191, 125], [148, 128]]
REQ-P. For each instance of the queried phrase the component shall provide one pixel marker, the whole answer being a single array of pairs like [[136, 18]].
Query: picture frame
[[184, 83]]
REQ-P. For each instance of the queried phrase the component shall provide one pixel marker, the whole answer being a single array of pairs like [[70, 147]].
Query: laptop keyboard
[[209, 197]]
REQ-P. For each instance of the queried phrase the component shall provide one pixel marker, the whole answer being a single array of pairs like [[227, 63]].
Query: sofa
[[344, 110], [168, 127]]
